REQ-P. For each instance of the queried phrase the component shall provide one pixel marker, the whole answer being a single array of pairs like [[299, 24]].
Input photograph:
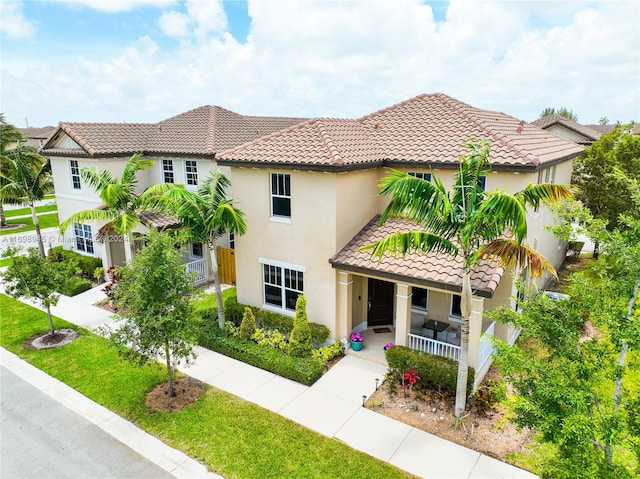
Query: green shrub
[[234, 312], [248, 325], [86, 264], [75, 285], [303, 370], [271, 338], [488, 395], [436, 372], [327, 353], [300, 343], [231, 329]]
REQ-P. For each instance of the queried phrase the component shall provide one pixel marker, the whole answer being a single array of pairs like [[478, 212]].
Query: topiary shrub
[[300, 343], [436, 372], [327, 353], [248, 326]]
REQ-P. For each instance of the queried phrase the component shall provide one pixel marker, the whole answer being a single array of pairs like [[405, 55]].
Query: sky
[[147, 60]]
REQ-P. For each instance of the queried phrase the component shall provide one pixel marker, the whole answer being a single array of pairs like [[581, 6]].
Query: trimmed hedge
[[436, 372], [302, 370], [87, 264], [234, 311], [75, 285]]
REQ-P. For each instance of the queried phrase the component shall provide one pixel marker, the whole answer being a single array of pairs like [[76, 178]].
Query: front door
[[380, 306]]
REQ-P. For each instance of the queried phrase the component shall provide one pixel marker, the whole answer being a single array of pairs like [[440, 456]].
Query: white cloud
[[14, 24], [112, 6], [346, 59]]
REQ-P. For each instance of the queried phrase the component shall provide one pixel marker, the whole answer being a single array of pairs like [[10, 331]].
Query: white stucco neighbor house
[[569, 129], [184, 147], [310, 193]]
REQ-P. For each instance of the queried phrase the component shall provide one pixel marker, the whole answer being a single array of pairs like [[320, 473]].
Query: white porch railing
[[433, 346], [486, 347], [199, 267]]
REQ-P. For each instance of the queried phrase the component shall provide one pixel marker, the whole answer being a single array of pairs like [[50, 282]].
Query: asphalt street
[[41, 438]]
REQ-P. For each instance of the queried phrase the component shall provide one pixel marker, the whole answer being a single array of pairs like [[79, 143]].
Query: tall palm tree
[[121, 202], [9, 136], [25, 177], [465, 221], [206, 216]]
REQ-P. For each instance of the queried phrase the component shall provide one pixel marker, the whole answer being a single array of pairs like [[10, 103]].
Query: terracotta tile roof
[[603, 129], [39, 133], [158, 220], [431, 270], [426, 129], [202, 131], [549, 120]]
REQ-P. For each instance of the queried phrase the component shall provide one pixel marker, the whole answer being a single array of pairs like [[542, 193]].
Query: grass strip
[[233, 437], [46, 221], [27, 211]]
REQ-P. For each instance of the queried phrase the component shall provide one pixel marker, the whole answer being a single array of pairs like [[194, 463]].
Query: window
[[75, 174], [456, 310], [422, 176], [232, 241], [281, 195], [482, 182], [167, 171], [191, 172], [282, 286], [419, 298], [83, 238], [196, 250]]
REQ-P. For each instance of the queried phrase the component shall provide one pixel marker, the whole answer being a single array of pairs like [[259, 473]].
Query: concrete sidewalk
[[332, 406]]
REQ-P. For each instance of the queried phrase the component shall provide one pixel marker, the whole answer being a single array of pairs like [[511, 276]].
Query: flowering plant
[[388, 345], [357, 337]]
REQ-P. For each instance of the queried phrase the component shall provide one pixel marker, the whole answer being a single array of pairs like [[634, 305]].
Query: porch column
[[403, 313], [344, 319], [475, 329]]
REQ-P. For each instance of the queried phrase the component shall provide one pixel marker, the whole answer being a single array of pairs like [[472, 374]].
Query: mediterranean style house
[[309, 189], [568, 129], [184, 147], [310, 194]]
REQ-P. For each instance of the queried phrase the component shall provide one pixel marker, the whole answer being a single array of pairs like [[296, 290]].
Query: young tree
[[25, 177], [34, 277], [300, 342], [248, 325], [154, 298], [207, 215], [465, 221]]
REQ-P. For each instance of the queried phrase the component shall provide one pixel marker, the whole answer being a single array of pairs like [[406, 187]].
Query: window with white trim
[[75, 174], [419, 298], [191, 172], [281, 195], [196, 250], [282, 286], [167, 171], [83, 238], [422, 176], [456, 305]]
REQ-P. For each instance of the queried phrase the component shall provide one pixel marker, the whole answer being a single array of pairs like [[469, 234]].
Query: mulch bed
[[187, 389], [46, 340]]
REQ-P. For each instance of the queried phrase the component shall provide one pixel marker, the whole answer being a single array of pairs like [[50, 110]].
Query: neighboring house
[[184, 147], [36, 137], [569, 129], [604, 129], [311, 198]]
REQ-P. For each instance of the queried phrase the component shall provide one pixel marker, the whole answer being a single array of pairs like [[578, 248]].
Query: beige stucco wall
[[565, 133]]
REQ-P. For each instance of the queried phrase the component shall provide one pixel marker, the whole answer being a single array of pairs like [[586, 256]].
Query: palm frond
[[405, 242], [98, 180], [215, 186], [86, 216], [549, 193], [134, 164], [227, 219], [511, 253], [498, 213]]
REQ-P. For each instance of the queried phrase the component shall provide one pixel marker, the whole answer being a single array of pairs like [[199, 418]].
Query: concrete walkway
[[332, 406]]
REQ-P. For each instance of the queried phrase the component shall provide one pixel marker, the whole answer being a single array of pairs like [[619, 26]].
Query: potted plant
[[356, 341]]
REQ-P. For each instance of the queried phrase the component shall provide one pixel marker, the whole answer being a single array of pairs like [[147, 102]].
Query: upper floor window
[[419, 298], [282, 286], [422, 176], [191, 172], [281, 195], [167, 171], [75, 174], [196, 250], [482, 182], [83, 238]]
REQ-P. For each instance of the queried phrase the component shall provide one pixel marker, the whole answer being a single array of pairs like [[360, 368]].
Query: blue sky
[[146, 60]]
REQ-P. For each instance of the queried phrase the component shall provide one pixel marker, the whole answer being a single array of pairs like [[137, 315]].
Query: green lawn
[[27, 211], [233, 437], [46, 221], [208, 300]]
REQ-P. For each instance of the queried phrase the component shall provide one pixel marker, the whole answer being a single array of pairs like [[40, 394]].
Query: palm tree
[[465, 221], [25, 177], [9, 136], [121, 202], [206, 215]]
